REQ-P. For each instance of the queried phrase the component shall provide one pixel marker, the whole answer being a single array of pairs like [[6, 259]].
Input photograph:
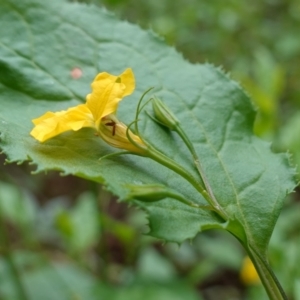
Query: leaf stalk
[[267, 276]]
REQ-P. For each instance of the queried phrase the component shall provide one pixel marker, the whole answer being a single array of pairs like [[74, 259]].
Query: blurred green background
[[70, 239]]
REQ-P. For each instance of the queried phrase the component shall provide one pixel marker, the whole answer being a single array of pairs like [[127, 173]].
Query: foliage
[[200, 260], [259, 43], [228, 34], [38, 75], [214, 112]]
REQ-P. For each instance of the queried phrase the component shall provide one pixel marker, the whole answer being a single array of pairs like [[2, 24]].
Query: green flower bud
[[156, 192], [163, 114], [148, 192]]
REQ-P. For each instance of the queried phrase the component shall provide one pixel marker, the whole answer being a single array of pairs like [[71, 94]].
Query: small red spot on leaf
[[76, 73]]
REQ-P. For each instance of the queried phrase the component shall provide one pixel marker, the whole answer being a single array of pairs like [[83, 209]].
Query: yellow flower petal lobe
[[79, 116], [108, 91], [52, 124], [128, 79]]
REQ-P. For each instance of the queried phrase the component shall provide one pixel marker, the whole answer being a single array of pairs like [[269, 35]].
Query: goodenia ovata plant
[[210, 172]]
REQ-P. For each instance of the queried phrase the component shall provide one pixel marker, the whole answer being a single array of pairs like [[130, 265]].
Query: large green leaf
[[42, 42]]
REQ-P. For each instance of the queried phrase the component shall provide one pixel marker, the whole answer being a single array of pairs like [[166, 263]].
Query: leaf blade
[[215, 113]]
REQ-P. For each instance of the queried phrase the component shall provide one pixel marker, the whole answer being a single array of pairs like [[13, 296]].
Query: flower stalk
[[266, 275]]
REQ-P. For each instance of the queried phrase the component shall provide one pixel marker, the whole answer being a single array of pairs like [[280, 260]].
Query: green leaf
[[54, 38], [60, 282], [80, 226], [17, 207], [154, 267]]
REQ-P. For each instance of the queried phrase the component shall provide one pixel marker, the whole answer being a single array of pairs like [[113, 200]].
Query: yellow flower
[[97, 112], [248, 273], [107, 91]]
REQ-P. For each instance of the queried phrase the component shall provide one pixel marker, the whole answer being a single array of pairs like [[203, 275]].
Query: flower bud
[[156, 192], [148, 192], [113, 132], [248, 273], [163, 114]]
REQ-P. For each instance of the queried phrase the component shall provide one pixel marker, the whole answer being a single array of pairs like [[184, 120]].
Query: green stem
[[207, 186], [267, 276], [151, 152], [6, 252], [169, 163]]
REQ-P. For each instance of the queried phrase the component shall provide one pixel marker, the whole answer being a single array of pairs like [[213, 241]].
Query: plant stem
[[6, 252], [207, 186], [169, 163], [203, 186], [267, 276]]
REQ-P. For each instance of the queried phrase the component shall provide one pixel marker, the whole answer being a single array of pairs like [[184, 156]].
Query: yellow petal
[[127, 78], [51, 124], [79, 116], [108, 91]]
